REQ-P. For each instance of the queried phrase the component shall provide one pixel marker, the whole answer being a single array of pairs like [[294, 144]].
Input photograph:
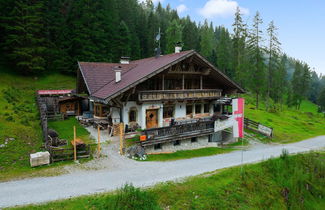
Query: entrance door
[[152, 118]]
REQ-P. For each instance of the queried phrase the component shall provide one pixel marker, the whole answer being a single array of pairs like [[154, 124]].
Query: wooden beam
[[163, 82], [183, 82]]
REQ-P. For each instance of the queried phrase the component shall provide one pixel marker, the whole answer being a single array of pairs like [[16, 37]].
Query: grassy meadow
[[19, 119], [185, 154], [289, 125], [288, 182]]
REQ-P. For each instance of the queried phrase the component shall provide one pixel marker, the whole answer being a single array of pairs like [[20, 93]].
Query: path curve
[[141, 174]]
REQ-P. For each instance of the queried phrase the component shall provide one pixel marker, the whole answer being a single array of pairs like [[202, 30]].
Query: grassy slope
[[19, 118], [289, 125], [65, 129], [185, 154], [290, 182]]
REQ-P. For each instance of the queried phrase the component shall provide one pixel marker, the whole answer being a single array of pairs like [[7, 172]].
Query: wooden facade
[[167, 95]]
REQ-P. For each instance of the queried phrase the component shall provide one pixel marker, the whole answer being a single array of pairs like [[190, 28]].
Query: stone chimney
[[125, 60], [118, 73]]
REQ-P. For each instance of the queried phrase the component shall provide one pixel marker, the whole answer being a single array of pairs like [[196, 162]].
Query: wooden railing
[[178, 131], [160, 95], [258, 127]]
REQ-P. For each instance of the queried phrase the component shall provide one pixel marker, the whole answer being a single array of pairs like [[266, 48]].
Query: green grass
[[288, 182], [289, 125], [19, 118], [65, 130], [185, 154]]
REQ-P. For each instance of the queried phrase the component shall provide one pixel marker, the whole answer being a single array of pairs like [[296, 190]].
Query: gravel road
[[111, 176]]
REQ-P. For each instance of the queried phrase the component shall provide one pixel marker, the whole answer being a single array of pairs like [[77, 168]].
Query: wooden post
[[121, 126], [74, 143], [163, 82], [98, 144], [201, 82], [183, 82]]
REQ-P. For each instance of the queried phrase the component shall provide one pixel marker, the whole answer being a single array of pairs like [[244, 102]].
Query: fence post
[[98, 144], [74, 144], [121, 128]]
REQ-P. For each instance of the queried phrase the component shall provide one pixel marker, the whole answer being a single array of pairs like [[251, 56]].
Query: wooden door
[[152, 118]]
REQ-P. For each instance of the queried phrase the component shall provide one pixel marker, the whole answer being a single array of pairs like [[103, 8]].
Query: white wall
[[115, 115], [180, 110], [126, 110]]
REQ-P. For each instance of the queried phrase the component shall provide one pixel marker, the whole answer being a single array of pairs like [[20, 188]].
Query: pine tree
[[224, 52], [274, 52], [239, 48], [207, 43], [321, 100], [190, 35], [256, 50], [24, 40], [123, 47], [173, 35]]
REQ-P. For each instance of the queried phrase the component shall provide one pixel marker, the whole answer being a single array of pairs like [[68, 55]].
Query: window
[[217, 108], [193, 139], [189, 109], [100, 110], [157, 146], [168, 111], [132, 115], [197, 108], [177, 143], [206, 108], [210, 138]]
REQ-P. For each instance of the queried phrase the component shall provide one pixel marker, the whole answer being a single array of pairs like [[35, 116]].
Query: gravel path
[[111, 176]]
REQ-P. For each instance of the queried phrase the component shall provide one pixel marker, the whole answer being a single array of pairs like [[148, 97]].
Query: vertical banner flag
[[238, 114]]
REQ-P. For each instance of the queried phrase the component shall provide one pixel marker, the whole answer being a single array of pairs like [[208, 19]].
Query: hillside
[[290, 124], [288, 182], [19, 118]]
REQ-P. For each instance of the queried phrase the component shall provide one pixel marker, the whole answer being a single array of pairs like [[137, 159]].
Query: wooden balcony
[[182, 130], [166, 95]]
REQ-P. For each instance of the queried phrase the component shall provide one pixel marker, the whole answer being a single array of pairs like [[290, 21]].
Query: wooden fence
[[43, 117], [62, 154], [258, 127]]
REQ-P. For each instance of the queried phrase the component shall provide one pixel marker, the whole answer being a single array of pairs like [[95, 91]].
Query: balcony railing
[[161, 95], [181, 130]]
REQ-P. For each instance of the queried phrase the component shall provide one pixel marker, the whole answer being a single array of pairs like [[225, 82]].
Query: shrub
[[129, 198]]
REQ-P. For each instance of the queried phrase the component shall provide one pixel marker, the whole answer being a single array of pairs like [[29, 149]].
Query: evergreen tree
[[207, 43], [239, 48], [257, 65], [173, 35], [224, 52], [123, 47], [273, 51], [321, 100], [190, 35], [24, 41]]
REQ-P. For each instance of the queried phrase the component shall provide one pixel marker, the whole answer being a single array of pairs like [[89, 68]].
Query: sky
[[301, 23]]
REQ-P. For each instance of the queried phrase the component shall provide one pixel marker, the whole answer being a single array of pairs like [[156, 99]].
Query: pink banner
[[238, 112]]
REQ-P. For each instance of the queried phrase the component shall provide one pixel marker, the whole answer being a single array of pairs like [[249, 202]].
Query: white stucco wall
[[179, 114], [126, 109], [115, 115], [180, 110]]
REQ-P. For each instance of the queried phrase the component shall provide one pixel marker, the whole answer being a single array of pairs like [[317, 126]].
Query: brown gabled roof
[[100, 78], [96, 75]]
